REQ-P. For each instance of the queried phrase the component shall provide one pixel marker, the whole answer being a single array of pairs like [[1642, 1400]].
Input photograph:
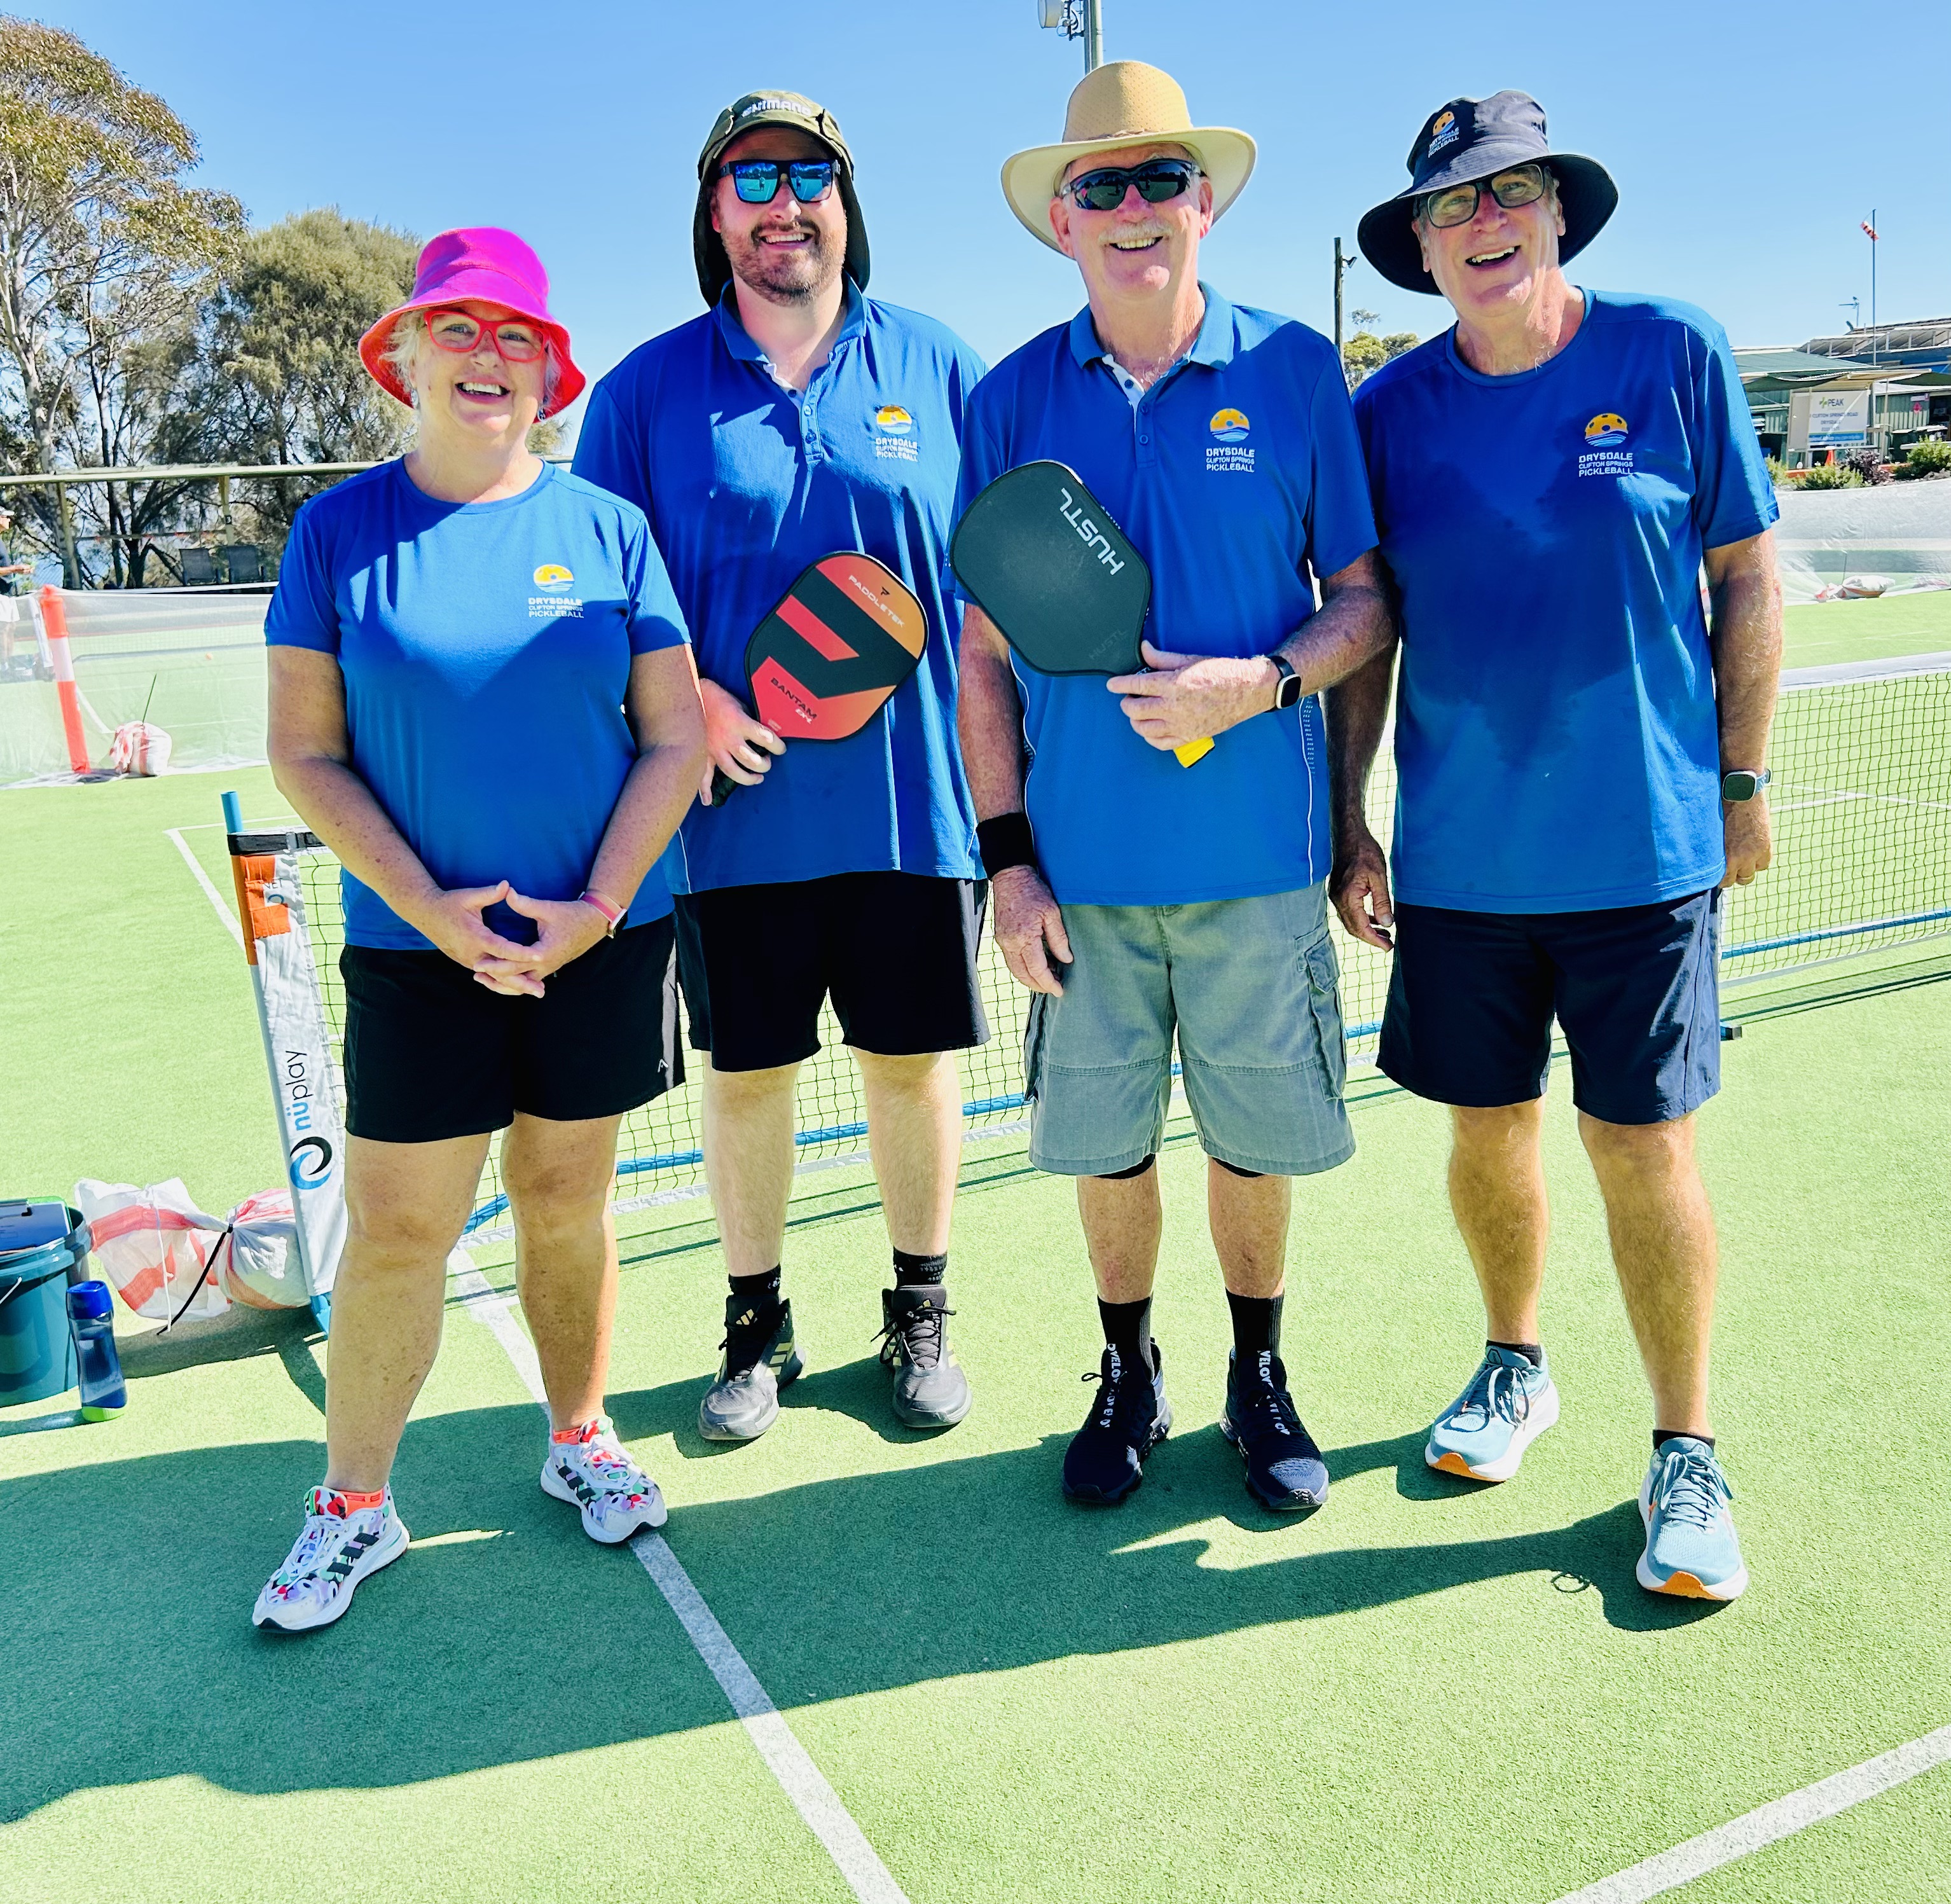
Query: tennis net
[[1861, 798]]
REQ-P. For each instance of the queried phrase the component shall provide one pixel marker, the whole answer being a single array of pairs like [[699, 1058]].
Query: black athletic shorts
[[1472, 995], [430, 1053], [895, 951]]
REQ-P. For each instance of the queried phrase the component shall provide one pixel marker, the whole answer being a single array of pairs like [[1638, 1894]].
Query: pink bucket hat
[[477, 261]]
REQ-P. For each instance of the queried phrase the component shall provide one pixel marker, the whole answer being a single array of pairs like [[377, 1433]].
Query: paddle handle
[[1188, 756], [723, 786]]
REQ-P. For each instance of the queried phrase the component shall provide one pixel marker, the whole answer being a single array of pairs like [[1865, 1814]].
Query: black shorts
[[430, 1053], [896, 951], [1472, 995]]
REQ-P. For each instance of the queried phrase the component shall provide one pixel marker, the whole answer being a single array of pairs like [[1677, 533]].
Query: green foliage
[[1930, 457], [279, 376], [1364, 353], [1832, 476]]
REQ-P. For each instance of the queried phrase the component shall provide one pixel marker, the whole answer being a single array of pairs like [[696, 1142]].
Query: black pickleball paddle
[[834, 647], [1044, 560]]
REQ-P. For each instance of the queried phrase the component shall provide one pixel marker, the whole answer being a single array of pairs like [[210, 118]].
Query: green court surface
[[1818, 634], [1424, 1692]]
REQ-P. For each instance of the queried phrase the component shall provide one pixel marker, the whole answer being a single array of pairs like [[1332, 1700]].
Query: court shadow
[[460, 1656]]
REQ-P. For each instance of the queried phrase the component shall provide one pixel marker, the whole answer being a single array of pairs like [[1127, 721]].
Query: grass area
[[1425, 1691], [1818, 634]]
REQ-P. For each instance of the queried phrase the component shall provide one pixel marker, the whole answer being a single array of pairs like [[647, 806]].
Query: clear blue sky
[[578, 123]]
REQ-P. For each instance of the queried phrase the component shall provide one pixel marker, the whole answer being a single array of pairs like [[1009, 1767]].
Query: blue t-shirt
[[747, 483], [486, 650], [1238, 478], [1556, 746]]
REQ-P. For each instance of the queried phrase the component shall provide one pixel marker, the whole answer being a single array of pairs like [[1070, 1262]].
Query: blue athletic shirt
[[746, 483], [1556, 748], [1237, 477], [486, 649]]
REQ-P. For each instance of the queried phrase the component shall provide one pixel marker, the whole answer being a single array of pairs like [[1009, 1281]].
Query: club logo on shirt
[[554, 581], [1602, 455], [1444, 131], [1229, 428], [893, 434]]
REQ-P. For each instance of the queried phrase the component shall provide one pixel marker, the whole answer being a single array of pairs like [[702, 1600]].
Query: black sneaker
[[759, 1359], [930, 1391], [1284, 1469], [1105, 1459]]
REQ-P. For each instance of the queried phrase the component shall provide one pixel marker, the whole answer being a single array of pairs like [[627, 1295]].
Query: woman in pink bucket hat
[[482, 701]]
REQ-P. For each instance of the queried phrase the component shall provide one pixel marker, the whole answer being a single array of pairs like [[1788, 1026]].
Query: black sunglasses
[[1522, 185], [757, 181], [1157, 179]]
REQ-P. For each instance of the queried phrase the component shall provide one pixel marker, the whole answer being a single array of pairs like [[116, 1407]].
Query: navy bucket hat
[[1470, 139]]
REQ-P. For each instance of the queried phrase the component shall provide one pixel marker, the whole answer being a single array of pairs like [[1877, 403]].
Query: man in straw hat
[[796, 418], [1137, 899], [1582, 754]]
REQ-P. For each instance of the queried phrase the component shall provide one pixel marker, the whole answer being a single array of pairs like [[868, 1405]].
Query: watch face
[[1740, 786], [1287, 694]]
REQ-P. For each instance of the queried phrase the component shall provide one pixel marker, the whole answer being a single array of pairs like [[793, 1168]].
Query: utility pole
[[1344, 264], [1077, 20]]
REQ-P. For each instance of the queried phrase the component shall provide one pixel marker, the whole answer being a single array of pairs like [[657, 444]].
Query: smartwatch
[[1287, 689], [1743, 784]]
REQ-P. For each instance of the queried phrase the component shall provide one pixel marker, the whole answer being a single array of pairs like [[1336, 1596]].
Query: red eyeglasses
[[456, 331]]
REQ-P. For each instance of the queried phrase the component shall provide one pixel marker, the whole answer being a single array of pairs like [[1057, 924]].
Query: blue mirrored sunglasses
[[757, 181]]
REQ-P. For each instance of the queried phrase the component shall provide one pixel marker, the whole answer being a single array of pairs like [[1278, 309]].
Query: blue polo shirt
[[1556, 744], [1238, 478], [745, 482], [485, 649]]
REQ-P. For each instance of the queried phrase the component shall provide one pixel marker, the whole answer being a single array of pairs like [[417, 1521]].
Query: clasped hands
[[566, 928], [1185, 698]]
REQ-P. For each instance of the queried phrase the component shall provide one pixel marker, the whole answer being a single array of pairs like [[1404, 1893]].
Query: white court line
[[210, 892], [1782, 1819], [815, 1800]]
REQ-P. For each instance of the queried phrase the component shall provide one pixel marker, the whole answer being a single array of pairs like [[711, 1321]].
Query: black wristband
[[1006, 841]]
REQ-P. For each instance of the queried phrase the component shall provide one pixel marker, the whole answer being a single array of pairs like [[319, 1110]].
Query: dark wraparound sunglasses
[[1157, 180], [1522, 185], [757, 181]]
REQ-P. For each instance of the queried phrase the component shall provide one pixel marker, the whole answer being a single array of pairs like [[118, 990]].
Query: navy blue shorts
[[1471, 997]]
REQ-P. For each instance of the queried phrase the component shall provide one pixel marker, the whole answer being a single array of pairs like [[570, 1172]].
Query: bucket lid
[[25, 1224]]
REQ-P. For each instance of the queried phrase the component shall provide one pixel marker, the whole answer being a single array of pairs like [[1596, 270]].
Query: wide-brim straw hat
[[1126, 103], [483, 262]]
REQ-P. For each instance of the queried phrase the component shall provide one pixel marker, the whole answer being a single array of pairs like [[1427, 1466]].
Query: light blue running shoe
[[1691, 1547], [1484, 1433]]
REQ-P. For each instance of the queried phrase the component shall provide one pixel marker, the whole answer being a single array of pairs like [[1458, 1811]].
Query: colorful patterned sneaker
[[340, 1545], [1691, 1547], [1284, 1469], [594, 1473], [759, 1358], [1507, 1403], [1105, 1459], [930, 1391]]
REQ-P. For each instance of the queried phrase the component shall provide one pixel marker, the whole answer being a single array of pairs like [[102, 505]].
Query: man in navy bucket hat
[[1580, 750]]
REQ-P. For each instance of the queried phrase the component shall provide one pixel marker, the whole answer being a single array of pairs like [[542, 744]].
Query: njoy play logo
[[1087, 530]]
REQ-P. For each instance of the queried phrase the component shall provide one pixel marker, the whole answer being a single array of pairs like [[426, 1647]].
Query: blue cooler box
[[41, 1246]]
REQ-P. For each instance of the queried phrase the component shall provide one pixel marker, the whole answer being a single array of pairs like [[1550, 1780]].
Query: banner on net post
[[291, 1013]]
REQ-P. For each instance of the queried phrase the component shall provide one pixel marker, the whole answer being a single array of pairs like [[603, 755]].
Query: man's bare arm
[[989, 722], [1358, 709], [1744, 637]]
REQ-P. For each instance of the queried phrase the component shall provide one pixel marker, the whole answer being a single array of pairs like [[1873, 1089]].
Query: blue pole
[[233, 814]]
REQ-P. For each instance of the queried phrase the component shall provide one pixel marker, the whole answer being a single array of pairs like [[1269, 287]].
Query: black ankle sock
[[759, 1294], [1661, 1436], [912, 1269], [1532, 1352], [1256, 1323], [1127, 1327]]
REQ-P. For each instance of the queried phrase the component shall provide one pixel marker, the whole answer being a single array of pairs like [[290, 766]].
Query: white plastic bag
[[154, 1245], [258, 1263], [138, 747]]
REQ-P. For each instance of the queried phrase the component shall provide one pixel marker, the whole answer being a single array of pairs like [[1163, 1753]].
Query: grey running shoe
[[759, 1358], [930, 1391]]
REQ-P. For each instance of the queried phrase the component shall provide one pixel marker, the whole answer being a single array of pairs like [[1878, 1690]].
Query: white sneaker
[[594, 1473], [339, 1546]]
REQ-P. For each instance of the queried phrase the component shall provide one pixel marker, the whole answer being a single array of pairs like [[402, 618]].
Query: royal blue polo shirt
[[1237, 477], [1556, 743], [486, 648], [745, 483]]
